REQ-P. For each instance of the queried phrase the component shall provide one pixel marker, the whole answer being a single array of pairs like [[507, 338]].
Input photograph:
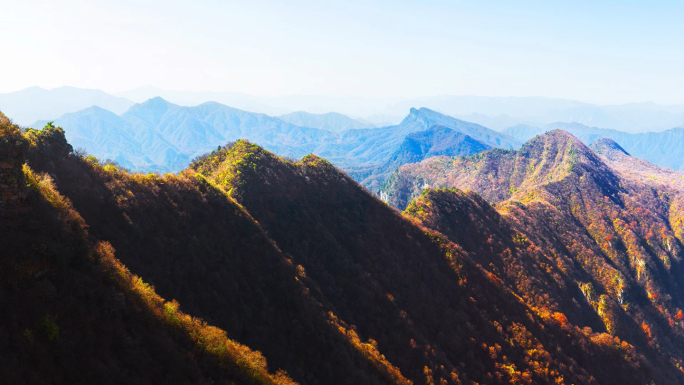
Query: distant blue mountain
[[332, 121], [160, 136], [664, 149], [376, 146], [435, 141], [195, 130], [35, 103], [110, 136]]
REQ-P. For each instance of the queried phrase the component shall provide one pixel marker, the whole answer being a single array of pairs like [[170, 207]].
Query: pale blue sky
[[597, 51]]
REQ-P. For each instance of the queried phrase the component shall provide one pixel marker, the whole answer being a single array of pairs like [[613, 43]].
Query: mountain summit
[[608, 148], [160, 136], [567, 271], [497, 174]]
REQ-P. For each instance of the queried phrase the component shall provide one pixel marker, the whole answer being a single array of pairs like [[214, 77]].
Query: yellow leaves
[[428, 376], [492, 352], [211, 339], [520, 239], [110, 169], [170, 310], [43, 185], [647, 330], [370, 351]]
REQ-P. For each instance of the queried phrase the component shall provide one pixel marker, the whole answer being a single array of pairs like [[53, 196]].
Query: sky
[[605, 52]]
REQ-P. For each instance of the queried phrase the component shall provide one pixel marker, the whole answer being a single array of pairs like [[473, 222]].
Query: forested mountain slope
[[196, 245], [297, 260], [397, 281], [72, 313], [615, 235]]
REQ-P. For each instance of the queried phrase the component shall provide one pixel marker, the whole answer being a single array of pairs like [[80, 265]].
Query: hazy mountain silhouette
[[568, 271], [35, 103], [160, 136]]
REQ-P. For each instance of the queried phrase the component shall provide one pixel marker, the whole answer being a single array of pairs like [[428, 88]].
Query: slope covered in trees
[[397, 281], [72, 313], [499, 174], [329, 283], [607, 232], [198, 246]]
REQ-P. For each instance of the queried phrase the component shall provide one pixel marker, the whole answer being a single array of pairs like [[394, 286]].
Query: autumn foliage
[[554, 269]]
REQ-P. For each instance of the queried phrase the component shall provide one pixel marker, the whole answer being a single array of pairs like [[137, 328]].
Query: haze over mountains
[[35, 103], [342, 193], [332, 121], [494, 112], [562, 265], [160, 136], [497, 113]]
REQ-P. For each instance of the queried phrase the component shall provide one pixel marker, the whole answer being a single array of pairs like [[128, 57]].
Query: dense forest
[[559, 267], [72, 312]]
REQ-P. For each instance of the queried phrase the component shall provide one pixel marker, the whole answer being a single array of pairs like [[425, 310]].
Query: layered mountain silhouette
[[35, 103], [164, 137], [559, 266], [160, 136], [437, 140], [498, 113]]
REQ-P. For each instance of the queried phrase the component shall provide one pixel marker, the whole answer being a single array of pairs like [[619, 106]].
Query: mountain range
[[160, 136], [665, 149], [611, 223], [436, 140], [164, 137], [630, 117], [497, 113], [35, 103], [560, 265]]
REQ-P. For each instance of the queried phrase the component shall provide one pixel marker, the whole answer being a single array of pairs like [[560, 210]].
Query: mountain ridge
[[663, 148], [416, 146], [168, 136], [295, 259], [35, 103]]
